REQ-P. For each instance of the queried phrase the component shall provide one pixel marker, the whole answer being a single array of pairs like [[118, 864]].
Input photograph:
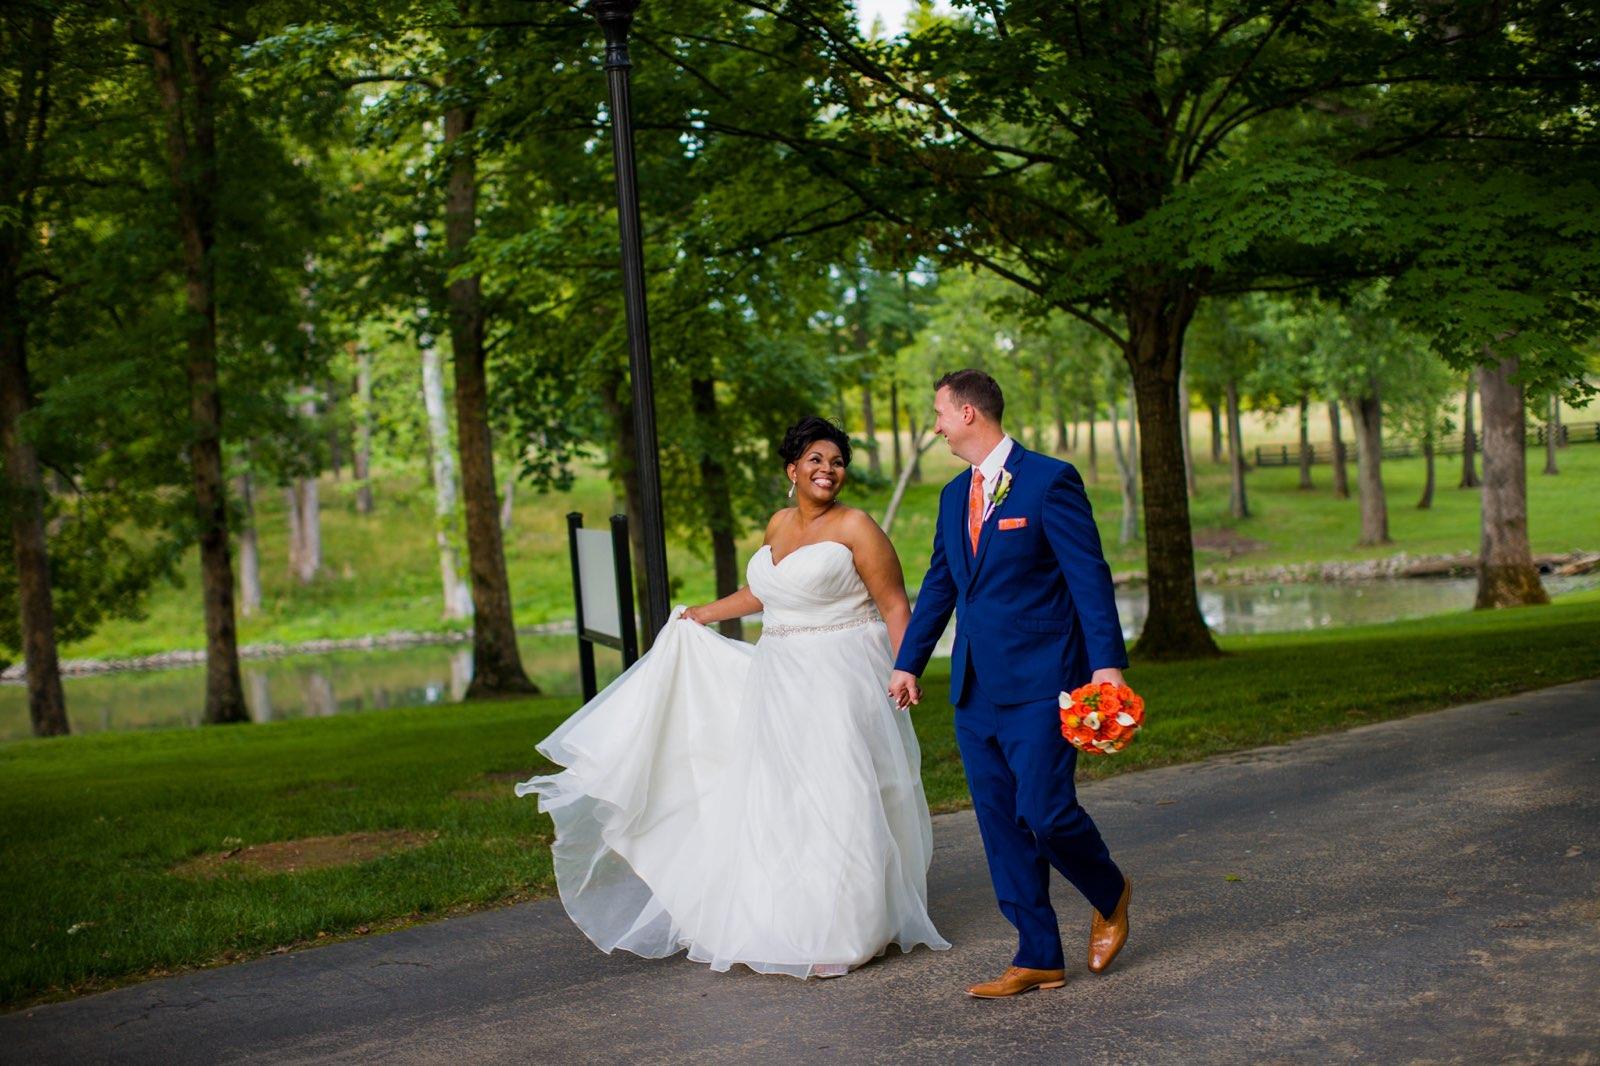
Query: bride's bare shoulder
[[780, 518], [858, 523]]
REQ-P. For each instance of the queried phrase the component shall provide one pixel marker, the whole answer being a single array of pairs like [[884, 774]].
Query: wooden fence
[[1322, 451]]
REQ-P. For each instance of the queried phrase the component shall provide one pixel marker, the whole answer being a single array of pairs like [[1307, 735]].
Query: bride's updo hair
[[806, 432]]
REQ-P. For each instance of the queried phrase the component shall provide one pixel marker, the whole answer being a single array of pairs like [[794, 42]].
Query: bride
[[757, 805]]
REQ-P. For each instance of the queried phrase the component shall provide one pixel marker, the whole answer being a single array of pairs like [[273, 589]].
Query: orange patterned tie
[[975, 508]]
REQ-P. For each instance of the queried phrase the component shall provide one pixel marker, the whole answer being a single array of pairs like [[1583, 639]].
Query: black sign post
[[621, 632]]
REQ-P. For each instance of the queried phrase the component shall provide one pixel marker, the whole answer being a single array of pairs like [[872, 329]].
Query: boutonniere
[[1001, 489]]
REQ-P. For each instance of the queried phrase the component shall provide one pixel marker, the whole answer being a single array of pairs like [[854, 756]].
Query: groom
[[1017, 556]]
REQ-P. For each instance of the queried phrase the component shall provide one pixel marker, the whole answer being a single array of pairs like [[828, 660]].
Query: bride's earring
[[792, 484]]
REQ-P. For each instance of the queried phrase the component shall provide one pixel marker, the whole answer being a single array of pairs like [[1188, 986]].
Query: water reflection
[[342, 682], [300, 686], [257, 697]]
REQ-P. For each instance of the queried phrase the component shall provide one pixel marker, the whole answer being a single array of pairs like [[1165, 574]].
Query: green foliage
[[812, 204]]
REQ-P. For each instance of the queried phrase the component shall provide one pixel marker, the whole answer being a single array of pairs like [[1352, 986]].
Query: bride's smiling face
[[820, 472]]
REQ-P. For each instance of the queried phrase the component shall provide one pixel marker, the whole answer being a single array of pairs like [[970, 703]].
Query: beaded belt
[[795, 631]]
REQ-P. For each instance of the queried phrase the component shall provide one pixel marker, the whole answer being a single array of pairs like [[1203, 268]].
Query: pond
[[299, 686]]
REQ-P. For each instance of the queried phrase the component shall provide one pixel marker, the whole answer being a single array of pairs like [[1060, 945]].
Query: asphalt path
[[1420, 890]]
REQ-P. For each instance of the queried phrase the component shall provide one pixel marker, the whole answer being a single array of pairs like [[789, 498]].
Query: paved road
[[1427, 889]]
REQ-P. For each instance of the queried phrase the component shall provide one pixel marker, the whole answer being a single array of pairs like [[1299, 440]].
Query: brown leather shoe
[[1018, 979], [1107, 935]]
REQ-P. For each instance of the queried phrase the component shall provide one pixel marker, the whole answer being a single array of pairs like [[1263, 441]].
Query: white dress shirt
[[990, 469]]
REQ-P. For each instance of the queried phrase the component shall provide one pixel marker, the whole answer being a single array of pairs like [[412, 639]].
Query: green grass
[[382, 570], [91, 826]]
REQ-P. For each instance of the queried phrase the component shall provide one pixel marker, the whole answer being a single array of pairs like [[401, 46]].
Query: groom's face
[[950, 418]]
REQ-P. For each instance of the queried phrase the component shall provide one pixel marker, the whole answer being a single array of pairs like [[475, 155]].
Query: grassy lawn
[[382, 571], [92, 826]]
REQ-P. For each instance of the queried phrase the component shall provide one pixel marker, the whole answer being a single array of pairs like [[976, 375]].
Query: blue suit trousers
[[1020, 773]]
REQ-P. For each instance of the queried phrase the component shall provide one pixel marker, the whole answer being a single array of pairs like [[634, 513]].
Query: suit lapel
[[987, 535]]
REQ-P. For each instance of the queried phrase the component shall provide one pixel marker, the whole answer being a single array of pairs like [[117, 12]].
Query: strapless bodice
[[814, 585]]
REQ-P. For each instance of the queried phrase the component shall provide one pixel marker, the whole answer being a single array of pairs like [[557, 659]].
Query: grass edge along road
[[92, 827]]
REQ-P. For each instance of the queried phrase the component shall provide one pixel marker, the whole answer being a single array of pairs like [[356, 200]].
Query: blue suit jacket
[[1035, 610]]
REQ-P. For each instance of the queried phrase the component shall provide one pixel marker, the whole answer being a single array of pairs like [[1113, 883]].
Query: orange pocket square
[[1013, 523]]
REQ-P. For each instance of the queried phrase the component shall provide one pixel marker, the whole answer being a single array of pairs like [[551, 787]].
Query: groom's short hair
[[977, 388]]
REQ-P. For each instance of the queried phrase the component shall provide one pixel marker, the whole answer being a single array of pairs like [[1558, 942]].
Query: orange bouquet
[[1100, 719]]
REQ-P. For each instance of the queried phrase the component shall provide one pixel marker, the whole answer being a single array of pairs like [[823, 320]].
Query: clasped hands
[[904, 690]]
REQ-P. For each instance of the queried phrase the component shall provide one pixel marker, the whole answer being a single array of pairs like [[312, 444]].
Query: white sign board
[[597, 578]]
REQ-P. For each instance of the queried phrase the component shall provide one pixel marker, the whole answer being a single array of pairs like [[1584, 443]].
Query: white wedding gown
[[759, 805]]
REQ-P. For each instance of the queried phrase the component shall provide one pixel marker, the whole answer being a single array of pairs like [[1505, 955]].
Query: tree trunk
[[1555, 420], [1238, 504], [1305, 444], [1039, 418], [1133, 435], [616, 399], [1341, 479], [363, 453], [21, 168], [508, 496], [869, 430], [861, 342], [1174, 627], [1094, 453], [330, 402], [1062, 443], [457, 598], [47, 702], [919, 444], [719, 503], [496, 661], [304, 512], [1506, 574], [192, 169], [1426, 503], [305, 530], [894, 426], [1216, 430], [291, 515], [1366, 414], [1469, 436], [249, 548], [916, 454], [1190, 485], [1128, 530], [1552, 434]]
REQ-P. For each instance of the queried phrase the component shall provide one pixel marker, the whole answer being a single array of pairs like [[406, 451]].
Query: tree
[[1341, 477], [441, 82], [1469, 435], [1363, 356], [1118, 161], [26, 44], [1417, 402], [1226, 349], [100, 306], [1503, 288], [496, 661]]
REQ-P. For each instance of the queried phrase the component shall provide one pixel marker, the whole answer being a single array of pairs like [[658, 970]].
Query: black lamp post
[[615, 17]]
